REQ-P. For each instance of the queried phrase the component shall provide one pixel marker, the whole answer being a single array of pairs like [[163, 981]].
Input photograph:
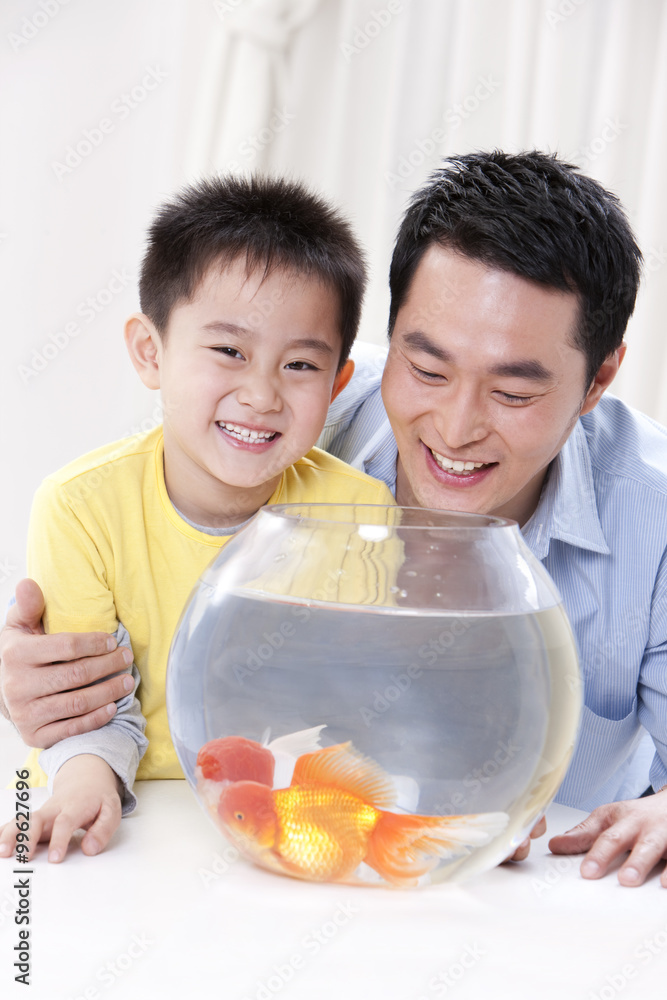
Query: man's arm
[[49, 683], [637, 825]]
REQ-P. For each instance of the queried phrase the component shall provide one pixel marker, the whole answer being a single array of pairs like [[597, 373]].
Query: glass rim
[[430, 517]]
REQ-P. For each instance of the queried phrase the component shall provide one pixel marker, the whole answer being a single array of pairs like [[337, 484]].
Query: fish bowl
[[374, 695]]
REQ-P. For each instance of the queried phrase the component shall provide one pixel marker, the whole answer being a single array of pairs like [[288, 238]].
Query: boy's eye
[[301, 366], [229, 352]]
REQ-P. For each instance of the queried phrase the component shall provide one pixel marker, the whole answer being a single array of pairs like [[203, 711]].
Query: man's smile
[[457, 465]]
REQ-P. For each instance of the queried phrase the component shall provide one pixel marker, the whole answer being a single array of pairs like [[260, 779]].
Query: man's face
[[482, 386]]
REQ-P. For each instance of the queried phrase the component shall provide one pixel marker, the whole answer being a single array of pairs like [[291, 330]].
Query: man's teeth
[[458, 466], [245, 434]]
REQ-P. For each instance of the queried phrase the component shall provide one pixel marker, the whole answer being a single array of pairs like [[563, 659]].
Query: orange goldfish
[[336, 815], [235, 758]]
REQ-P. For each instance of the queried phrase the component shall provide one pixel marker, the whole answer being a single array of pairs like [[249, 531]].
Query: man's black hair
[[535, 216], [269, 223]]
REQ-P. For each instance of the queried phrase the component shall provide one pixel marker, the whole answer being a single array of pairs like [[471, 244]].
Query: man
[[512, 282]]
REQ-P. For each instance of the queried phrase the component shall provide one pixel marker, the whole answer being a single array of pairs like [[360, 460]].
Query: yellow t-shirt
[[106, 545]]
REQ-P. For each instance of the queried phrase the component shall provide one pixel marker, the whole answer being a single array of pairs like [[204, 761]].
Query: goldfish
[[235, 758], [337, 814]]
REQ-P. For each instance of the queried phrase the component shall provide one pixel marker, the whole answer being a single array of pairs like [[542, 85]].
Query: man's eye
[[508, 397], [420, 373]]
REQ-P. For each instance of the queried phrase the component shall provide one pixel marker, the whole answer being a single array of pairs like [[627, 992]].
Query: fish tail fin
[[301, 742], [402, 848]]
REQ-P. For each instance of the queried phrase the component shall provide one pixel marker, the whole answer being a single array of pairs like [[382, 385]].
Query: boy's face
[[246, 370]]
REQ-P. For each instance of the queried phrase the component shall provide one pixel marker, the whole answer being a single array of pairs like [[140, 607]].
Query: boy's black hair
[[535, 216], [271, 223]]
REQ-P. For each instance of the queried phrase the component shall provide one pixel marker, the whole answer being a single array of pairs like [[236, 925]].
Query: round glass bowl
[[376, 695]]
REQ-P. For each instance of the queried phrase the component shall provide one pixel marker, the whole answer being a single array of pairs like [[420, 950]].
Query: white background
[[363, 92]]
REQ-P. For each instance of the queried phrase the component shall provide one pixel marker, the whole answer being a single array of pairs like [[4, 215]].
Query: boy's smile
[[246, 370]]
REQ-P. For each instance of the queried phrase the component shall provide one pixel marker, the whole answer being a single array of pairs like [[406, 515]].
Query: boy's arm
[[85, 794], [70, 553], [121, 743], [90, 778]]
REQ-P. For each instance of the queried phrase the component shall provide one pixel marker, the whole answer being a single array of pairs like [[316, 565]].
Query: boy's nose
[[259, 392]]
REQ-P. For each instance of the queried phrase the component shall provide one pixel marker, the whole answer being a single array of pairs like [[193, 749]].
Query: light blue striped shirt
[[600, 530]]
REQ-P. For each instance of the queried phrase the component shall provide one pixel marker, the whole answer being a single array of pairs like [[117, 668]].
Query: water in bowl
[[468, 712]]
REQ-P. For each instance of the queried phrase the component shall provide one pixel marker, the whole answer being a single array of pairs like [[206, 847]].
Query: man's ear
[[144, 347], [342, 378], [605, 376]]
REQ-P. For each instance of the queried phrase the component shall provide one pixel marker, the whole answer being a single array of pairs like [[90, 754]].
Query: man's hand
[[523, 850], [638, 826], [47, 681], [86, 793]]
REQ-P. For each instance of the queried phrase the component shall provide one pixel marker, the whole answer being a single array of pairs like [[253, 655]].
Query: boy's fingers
[[63, 828], [39, 825], [7, 838], [99, 834]]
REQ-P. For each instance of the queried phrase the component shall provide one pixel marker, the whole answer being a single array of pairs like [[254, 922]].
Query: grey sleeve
[[121, 742]]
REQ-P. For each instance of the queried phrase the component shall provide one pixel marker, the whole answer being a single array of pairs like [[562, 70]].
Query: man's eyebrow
[[421, 342], [528, 368]]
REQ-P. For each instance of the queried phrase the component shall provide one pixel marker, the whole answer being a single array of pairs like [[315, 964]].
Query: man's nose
[[462, 419]]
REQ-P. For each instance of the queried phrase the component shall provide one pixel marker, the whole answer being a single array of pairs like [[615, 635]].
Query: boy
[[251, 293]]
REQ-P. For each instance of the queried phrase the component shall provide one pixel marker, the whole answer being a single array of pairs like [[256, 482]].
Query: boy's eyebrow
[[301, 343], [219, 326], [309, 344], [529, 368]]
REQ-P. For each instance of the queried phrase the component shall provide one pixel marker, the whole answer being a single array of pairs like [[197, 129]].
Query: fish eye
[[238, 815]]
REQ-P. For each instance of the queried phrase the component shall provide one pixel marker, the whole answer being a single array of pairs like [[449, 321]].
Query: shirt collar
[[567, 509]]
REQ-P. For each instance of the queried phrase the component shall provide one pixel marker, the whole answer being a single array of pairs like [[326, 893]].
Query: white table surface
[[162, 914]]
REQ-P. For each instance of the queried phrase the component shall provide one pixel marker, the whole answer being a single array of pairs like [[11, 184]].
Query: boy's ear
[[604, 377], [342, 378], [143, 344]]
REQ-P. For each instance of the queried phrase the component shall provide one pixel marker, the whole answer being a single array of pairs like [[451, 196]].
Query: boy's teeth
[[244, 434], [457, 466]]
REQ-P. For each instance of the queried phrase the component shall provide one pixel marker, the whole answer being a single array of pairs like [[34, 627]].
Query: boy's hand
[[638, 826], [86, 793], [46, 681]]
